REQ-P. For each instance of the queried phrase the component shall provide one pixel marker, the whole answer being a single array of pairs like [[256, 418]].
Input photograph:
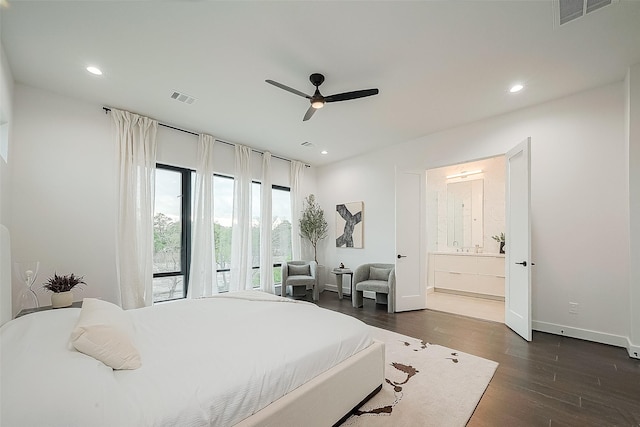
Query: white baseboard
[[588, 335], [634, 350]]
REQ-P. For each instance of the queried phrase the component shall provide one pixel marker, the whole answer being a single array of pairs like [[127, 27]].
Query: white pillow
[[104, 332]]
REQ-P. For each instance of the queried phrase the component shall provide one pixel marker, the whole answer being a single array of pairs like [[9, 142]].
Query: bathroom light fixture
[[94, 70], [324, 152], [516, 88], [464, 173]]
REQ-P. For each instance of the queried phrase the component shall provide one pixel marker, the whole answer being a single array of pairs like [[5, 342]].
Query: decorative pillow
[[299, 270], [377, 273], [104, 332]]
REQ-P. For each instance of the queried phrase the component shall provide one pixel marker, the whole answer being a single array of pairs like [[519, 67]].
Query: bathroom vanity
[[465, 273]]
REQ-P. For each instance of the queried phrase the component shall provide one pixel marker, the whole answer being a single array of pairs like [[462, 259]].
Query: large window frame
[[187, 201], [185, 231]]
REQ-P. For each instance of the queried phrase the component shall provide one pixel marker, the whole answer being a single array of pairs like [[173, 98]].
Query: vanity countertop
[[485, 254]]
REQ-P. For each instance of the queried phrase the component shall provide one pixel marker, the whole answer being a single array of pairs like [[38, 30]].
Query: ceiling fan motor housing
[[316, 79]]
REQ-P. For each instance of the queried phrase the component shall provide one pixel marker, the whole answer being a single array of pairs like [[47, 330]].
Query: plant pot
[[61, 299], [501, 247]]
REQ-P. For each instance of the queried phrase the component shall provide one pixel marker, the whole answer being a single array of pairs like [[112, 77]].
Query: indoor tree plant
[[313, 226], [61, 287]]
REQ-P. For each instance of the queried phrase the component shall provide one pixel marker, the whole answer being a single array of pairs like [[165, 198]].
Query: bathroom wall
[[493, 207]]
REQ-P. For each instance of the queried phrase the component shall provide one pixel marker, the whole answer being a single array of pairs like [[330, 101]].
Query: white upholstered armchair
[[300, 275], [378, 278]]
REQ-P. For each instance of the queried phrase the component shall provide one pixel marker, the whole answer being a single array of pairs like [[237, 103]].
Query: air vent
[[568, 10], [183, 97], [307, 144]]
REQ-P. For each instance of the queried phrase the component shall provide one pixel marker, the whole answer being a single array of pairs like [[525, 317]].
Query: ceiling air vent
[[307, 144], [183, 97], [568, 10]]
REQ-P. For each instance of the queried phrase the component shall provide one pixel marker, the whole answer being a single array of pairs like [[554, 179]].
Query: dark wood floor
[[551, 381]]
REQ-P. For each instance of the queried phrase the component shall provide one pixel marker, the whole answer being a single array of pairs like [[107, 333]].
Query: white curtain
[[202, 275], [241, 232], [296, 175], [136, 160], [266, 257]]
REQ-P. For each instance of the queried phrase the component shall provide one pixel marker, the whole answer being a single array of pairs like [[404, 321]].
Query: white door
[[411, 287], [518, 241]]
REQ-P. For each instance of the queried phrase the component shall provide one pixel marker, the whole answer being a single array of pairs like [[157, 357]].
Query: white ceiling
[[438, 64]]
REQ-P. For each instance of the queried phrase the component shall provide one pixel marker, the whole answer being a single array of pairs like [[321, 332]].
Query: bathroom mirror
[[464, 214]]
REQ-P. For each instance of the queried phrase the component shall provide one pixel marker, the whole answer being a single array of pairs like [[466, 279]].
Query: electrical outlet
[[573, 307]]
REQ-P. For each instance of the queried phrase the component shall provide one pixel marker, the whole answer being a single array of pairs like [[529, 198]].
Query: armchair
[[300, 275], [378, 278]]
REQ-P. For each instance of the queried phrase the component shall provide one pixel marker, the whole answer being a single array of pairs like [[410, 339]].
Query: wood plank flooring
[[552, 381]]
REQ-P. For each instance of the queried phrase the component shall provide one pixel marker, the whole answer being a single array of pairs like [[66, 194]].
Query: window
[[280, 229], [222, 220], [172, 230]]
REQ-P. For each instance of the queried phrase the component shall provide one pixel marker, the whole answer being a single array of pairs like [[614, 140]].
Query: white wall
[[579, 201], [63, 191], [64, 186], [633, 147]]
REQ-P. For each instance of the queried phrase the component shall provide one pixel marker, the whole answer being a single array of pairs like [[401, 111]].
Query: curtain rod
[[107, 110]]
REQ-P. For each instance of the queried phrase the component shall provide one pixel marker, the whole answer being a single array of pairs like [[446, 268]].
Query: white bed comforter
[[211, 361]]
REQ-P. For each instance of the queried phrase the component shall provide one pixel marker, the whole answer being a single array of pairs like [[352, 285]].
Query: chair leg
[[381, 298], [391, 303], [357, 299], [316, 293]]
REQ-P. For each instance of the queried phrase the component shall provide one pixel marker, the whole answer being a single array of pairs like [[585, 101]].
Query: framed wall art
[[349, 225]]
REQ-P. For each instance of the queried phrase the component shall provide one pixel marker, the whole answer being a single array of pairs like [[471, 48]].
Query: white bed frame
[[328, 398], [323, 401]]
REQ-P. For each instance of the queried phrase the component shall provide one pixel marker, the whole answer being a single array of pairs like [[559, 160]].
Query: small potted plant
[[499, 239], [61, 287]]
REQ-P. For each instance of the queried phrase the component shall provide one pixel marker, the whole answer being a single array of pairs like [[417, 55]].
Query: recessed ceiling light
[[324, 152], [94, 70], [516, 88]]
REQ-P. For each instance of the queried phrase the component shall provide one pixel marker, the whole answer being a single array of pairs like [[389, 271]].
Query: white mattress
[[212, 361]]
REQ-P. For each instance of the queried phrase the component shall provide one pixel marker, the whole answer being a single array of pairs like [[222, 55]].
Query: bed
[[243, 359]]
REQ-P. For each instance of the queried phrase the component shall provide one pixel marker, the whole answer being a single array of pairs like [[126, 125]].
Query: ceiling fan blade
[[288, 89], [351, 95], [308, 114]]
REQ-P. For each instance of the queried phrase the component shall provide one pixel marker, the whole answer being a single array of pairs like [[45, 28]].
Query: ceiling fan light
[[317, 104]]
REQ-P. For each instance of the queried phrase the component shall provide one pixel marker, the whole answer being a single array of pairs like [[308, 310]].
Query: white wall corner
[[634, 350], [583, 334], [632, 87]]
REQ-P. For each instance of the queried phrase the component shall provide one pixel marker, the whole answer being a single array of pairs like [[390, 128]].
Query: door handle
[[523, 263], [401, 256]]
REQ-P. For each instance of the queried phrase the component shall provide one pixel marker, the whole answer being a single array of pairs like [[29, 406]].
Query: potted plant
[[313, 226], [61, 287], [499, 239]]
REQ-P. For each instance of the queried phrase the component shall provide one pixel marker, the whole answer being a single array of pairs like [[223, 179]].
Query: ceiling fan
[[317, 100]]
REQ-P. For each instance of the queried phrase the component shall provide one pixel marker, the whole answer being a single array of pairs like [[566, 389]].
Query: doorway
[[466, 223]]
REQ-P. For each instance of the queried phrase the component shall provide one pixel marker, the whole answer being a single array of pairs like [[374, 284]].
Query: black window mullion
[[186, 227]]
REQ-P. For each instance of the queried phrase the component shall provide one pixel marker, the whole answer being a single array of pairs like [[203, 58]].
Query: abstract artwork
[[349, 225]]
